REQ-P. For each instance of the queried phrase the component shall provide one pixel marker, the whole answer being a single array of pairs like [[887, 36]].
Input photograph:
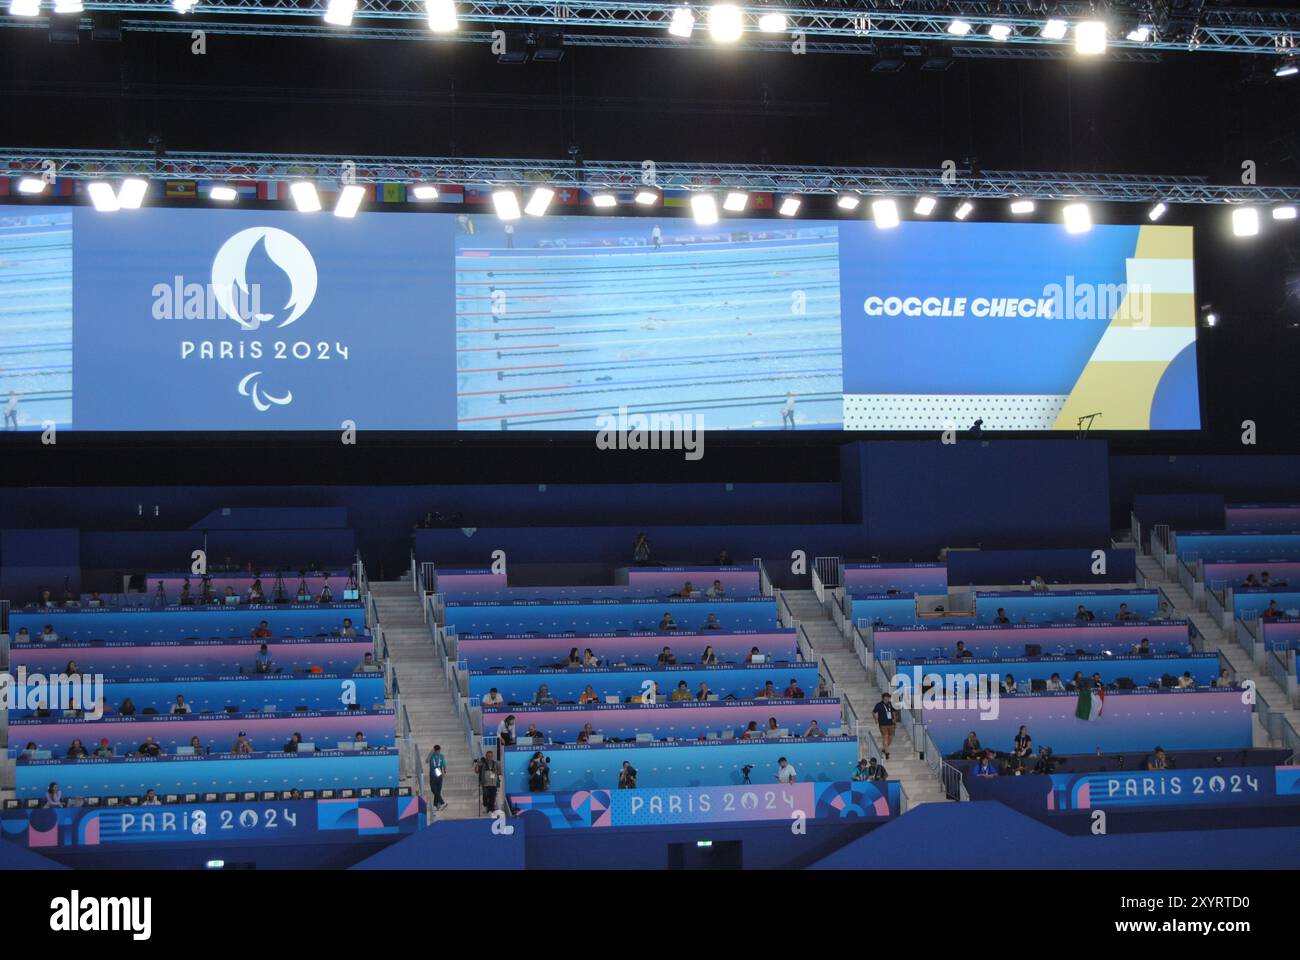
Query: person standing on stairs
[[884, 714], [437, 769]]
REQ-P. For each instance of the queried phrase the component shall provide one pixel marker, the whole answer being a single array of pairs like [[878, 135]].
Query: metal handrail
[[764, 581]]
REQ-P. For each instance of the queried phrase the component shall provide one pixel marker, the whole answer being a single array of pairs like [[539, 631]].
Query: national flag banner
[[247, 189], [268, 191], [677, 198], [761, 201], [181, 190], [392, 193], [1090, 703], [4, 186], [477, 193], [566, 196], [63, 187], [451, 193]]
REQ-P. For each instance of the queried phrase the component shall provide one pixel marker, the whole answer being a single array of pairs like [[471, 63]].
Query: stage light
[[726, 22], [425, 191], [959, 28], [604, 199], [30, 185], [924, 206], [705, 209], [772, 23], [1000, 31], [24, 8], [1021, 207], [1156, 212], [305, 196], [683, 22], [1287, 69], [885, 213], [735, 201], [848, 201], [963, 210], [339, 12], [1140, 34], [349, 201], [184, 6], [131, 194], [103, 196], [1054, 30], [1245, 222], [223, 194], [789, 206], [538, 201], [69, 6], [506, 203], [442, 15], [647, 196], [1284, 213], [1090, 38], [215, 864], [1078, 218]]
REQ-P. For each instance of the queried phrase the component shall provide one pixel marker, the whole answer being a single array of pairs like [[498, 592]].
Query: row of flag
[[375, 192]]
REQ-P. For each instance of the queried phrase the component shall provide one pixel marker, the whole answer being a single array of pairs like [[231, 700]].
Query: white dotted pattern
[[943, 411]]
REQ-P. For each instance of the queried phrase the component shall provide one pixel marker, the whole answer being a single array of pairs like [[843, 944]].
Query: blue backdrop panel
[[996, 642], [556, 616], [611, 649], [740, 681], [1061, 607], [176, 623], [174, 658], [1143, 671]]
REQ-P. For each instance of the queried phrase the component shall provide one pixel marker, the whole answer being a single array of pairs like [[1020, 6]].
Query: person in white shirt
[[1054, 684], [717, 590], [506, 731], [787, 412], [367, 665], [22, 636], [347, 630], [151, 799], [1186, 681], [180, 706], [11, 410], [657, 237], [48, 635], [493, 698], [785, 772]]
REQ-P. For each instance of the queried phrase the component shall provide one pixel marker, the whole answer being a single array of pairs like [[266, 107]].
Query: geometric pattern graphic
[[950, 411]]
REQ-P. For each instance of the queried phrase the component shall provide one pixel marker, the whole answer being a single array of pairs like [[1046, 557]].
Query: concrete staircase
[[852, 680], [422, 682], [1238, 658]]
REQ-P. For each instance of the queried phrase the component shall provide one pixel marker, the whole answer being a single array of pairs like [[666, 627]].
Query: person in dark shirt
[[711, 623], [1082, 614], [76, 751], [667, 658], [962, 651], [885, 721], [1024, 744], [1158, 760], [149, 748], [970, 747], [1001, 617], [708, 657], [263, 630], [794, 691], [291, 745], [667, 623], [127, 709], [986, 769]]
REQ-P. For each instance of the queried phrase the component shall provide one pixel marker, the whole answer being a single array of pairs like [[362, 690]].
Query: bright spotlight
[[349, 201], [604, 199], [506, 203], [1156, 212], [1078, 218], [726, 22], [885, 213], [1288, 69], [223, 194], [538, 201], [442, 15], [963, 210], [1021, 207], [1000, 31], [1245, 222], [24, 8], [924, 206], [1139, 35], [772, 23], [425, 191], [959, 28], [69, 6], [735, 201], [103, 196], [683, 22], [705, 209], [339, 12], [30, 185], [131, 194], [647, 196], [1284, 213], [848, 201], [1054, 30], [305, 197], [789, 206], [184, 6], [1090, 38]]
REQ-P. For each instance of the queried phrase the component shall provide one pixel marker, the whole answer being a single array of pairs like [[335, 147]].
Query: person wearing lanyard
[[437, 768], [884, 712]]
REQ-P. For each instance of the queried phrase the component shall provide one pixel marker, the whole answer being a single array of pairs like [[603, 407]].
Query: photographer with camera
[[627, 777], [539, 773], [489, 776]]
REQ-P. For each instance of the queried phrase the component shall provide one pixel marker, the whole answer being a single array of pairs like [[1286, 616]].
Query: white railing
[[415, 575], [818, 589], [1135, 531], [764, 581], [784, 615], [1190, 580], [1161, 546]]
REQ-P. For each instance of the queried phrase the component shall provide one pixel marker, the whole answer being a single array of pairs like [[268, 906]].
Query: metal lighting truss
[[1213, 28], [621, 174]]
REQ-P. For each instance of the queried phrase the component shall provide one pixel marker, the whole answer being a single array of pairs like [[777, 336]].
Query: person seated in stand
[[683, 692], [1023, 745], [263, 661], [1223, 679], [543, 697], [255, 593], [242, 744], [180, 706], [711, 623], [230, 594], [666, 658], [986, 769], [71, 670], [1186, 682], [75, 750], [1272, 611], [823, 691], [650, 696], [687, 589], [1158, 760], [574, 659], [48, 635], [589, 659], [724, 559], [53, 798], [586, 733], [149, 748], [716, 591], [772, 725], [44, 599], [22, 636], [1265, 581], [537, 735], [1076, 680], [104, 748], [667, 623], [95, 600], [197, 746], [1143, 648], [150, 798], [1164, 613], [588, 695], [127, 709], [291, 745], [703, 692], [1250, 581], [263, 631], [493, 698], [367, 664], [767, 693], [1054, 684], [1038, 583], [1001, 617], [1044, 762], [751, 732], [970, 747], [708, 657], [754, 652], [1083, 614], [814, 730], [347, 630], [962, 651], [1009, 684], [794, 691], [1125, 614]]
